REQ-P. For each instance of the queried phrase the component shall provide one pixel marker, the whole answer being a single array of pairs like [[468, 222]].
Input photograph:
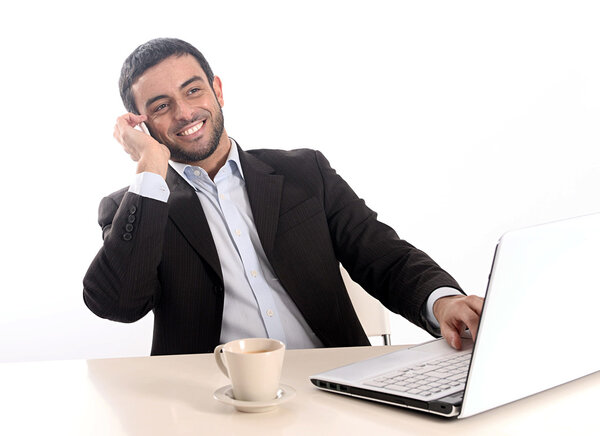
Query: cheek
[[159, 129]]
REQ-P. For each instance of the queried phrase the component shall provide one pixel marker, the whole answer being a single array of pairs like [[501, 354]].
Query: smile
[[191, 130]]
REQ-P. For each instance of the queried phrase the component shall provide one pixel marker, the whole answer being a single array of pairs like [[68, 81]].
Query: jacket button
[[127, 236], [132, 210], [131, 218], [129, 227]]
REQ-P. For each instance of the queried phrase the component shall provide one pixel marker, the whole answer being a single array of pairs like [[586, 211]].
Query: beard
[[178, 154]]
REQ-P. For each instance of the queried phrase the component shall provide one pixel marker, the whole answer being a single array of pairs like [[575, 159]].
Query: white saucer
[[225, 395]]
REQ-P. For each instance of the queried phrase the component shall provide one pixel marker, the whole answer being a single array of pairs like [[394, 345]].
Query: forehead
[[165, 78]]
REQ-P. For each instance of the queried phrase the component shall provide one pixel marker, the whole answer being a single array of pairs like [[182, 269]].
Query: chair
[[373, 316]]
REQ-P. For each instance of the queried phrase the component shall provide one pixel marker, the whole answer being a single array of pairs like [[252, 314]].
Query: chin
[[180, 154]]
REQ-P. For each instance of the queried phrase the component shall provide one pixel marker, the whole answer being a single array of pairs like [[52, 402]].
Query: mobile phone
[[144, 128]]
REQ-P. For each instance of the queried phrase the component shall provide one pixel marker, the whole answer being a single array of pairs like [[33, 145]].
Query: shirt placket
[[240, 236]]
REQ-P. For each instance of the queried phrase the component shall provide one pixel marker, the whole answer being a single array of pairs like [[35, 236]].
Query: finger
[[124, 123], [131, 151], [471, 320], [452, 336], [129, 121], [466, 318], [117, 135], [136, 120], [133, 154], [130, 138], [132, 120]]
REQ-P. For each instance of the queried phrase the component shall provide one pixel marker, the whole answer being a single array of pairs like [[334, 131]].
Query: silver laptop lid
[[539, 321]]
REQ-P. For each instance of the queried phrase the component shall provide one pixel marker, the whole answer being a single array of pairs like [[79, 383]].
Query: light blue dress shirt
[[255, 305]]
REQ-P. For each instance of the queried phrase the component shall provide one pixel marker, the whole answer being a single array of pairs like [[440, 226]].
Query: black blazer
[[161, 256]]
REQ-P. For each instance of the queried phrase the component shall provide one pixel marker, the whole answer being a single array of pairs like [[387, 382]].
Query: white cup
[[253, 366]]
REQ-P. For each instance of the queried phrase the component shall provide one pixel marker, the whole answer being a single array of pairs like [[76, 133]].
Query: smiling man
[[223, 243]]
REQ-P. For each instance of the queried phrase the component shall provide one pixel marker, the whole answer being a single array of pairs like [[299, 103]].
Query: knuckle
[[474, 300]]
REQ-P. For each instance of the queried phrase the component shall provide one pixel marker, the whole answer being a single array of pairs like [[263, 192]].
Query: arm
[[398, 274], [121, 283]]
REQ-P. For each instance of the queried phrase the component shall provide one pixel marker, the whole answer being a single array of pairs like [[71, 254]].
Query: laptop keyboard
[[438, 377]]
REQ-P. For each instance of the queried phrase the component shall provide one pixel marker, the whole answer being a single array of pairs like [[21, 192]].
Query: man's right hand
[[151, 155]]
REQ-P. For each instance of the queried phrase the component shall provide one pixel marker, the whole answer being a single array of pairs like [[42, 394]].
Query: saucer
[[225, 395]]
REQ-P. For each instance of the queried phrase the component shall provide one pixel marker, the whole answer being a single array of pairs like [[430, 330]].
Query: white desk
[[172, 395]]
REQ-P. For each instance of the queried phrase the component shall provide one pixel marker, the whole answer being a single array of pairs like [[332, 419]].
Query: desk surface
[[172, 395]]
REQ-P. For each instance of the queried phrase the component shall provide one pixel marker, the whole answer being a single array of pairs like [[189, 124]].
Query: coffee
[[255, 351]]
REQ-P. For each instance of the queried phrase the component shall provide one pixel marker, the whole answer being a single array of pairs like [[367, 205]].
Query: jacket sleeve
[[389, 268], [122, 283]]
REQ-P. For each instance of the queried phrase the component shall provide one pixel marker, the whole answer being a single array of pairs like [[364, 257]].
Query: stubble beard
[[178, 154]]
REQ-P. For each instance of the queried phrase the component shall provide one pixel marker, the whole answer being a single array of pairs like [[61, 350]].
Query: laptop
[[537, 330]]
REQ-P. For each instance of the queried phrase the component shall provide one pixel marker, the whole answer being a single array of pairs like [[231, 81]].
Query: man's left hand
[[457, 313]]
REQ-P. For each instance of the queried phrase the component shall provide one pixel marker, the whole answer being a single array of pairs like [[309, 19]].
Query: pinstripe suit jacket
[[161, 256]]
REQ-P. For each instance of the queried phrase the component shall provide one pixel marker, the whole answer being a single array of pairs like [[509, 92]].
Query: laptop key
[[439, 377], [437, 374], [397, 388]]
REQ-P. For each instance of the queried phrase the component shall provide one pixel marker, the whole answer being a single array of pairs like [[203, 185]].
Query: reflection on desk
[[172, 395]]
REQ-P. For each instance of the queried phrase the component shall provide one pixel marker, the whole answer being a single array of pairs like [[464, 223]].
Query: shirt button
[[238, 232], [269, 312], [221, 196], [196, 173], [254, 273]]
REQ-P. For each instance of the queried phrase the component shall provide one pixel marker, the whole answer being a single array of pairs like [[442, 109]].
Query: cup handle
[[219, 360]]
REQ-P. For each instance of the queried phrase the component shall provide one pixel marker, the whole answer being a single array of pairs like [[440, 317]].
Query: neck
[[215, 161]]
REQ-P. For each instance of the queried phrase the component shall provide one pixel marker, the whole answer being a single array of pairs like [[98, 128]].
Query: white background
[[456, 121]]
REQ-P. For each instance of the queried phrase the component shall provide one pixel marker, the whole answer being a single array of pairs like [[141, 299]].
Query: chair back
[[373, 316]]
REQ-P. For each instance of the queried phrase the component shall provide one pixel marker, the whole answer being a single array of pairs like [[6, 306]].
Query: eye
[[194, 90], [160, 107]]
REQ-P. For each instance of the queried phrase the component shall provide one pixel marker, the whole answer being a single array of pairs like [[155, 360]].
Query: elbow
[[113, 309]]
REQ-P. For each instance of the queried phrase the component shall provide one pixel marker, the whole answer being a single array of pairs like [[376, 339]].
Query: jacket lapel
[[264, 193], [186, 212]]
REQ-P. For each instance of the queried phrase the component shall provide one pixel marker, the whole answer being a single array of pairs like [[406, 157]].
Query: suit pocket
[[299, 214]]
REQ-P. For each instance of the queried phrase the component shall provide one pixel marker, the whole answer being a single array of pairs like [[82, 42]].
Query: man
[[223, 243]]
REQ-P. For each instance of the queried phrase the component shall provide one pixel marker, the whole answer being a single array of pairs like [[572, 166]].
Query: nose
[[183, 111]]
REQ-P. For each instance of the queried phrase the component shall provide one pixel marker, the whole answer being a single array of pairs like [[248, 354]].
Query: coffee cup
[[253, 366]]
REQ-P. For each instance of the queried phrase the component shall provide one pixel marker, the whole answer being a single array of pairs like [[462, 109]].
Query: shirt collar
[[233, 160]]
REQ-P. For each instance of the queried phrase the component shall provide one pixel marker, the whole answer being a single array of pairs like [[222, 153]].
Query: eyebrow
[[183, 85], [191, 80]]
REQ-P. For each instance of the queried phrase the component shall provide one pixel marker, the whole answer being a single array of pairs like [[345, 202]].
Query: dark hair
[[150, 54]]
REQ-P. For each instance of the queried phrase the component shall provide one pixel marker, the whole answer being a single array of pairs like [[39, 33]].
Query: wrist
[[155, 160], [434, 297]]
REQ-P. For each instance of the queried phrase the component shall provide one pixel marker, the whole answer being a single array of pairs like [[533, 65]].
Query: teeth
[[192, 130]]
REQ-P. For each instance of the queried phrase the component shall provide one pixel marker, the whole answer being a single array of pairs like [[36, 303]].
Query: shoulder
[[115, 197], [301, 159], [277, 154]]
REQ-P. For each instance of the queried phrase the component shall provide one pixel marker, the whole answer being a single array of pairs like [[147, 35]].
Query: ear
[[218, 89]]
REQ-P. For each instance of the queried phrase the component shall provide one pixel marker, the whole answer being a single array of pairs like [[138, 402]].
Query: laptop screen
[[538, 326]]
